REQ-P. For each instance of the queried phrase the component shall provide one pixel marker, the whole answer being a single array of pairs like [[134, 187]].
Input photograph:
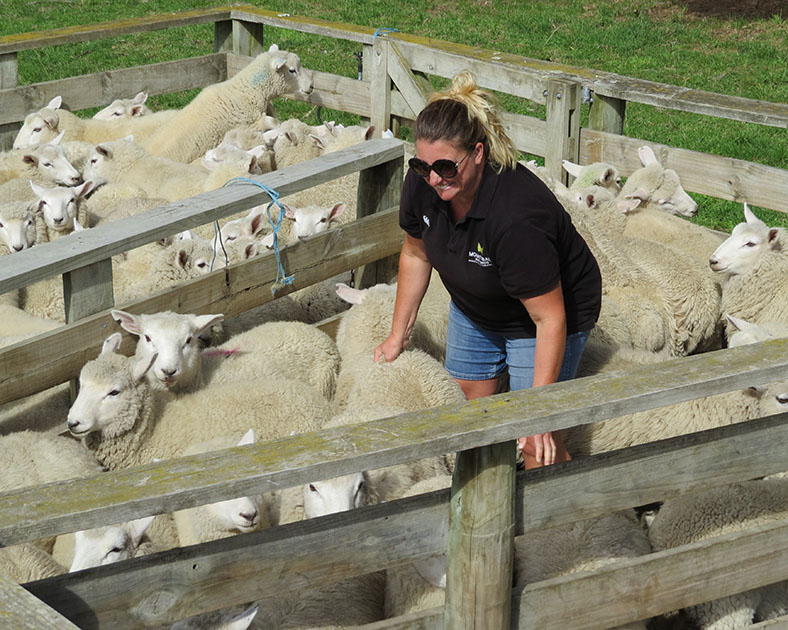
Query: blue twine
[[282, 279], [384, 31]]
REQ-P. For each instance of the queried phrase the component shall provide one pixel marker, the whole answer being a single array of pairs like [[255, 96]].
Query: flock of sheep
[[670, 289]]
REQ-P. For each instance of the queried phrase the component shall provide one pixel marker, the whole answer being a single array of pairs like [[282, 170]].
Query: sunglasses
[[443, 168]]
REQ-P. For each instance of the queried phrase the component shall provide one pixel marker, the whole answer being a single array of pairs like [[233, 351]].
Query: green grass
[[657, 40]]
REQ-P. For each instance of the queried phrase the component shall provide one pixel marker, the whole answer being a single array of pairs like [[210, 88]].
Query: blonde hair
[[465, 114]]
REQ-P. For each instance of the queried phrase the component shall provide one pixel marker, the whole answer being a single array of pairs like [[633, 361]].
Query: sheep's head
[[312, 219], [335, 495], [288, 66], [51, 163], [17, 226], [111, 395], [58, 206], [105, 545], [39, 127], [740, 252], [124, 108]]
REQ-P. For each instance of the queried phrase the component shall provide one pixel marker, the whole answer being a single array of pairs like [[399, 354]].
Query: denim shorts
[[476, 354]]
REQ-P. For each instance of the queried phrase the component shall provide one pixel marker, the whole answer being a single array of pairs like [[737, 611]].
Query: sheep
[[241, 100], [716, 512], [107, 545], [50, 121], [755, 265], [124, 422], [43, 163], [747, 332], [125, 108], [257, 160], [60, 206], [20, 226], [595, 174], [26, 563], [582, 546], [291, 349], [295, 143]]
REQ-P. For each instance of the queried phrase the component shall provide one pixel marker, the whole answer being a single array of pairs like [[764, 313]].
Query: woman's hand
[[541, 447], [390, 349]]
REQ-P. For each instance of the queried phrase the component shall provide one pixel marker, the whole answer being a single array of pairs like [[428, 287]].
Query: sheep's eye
[[750, 244], [231, 238], [202, 265], [312, 488], [293, 71], [147, 338], [36, 129], [93, 160], [323, 220], [115, 550], [118, 114], [188, 341], [1, 224], [113, 393], [782, 398], [47, 164]]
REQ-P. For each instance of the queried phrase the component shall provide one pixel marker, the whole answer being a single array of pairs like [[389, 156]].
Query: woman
[[525, 288]]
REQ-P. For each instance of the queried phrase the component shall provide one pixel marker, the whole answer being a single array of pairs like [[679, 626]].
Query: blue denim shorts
[[476, 354]]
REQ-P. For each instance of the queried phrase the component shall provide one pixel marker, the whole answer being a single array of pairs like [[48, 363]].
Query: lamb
[[241, 100], [595, 174], [50, 121], [225, 518], [755, 265], [43, 163], [257, 160], [296, 142], [125, 108], [577, 547], [747, 332], [20, 226], [124, 422], [106, 545], [716, 512], [291, 349], [61, 206]]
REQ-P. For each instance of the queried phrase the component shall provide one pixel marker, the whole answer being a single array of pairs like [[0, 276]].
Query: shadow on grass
[[737, 8]]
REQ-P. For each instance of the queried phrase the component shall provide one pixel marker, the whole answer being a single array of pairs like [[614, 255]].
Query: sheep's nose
[[76, 180], [712, 261], [251, 517], [72, 424], [58, 220], [169, 373], [18, 248]]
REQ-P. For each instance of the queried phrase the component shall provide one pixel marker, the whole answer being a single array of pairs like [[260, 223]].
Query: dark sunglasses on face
[[443, 168]]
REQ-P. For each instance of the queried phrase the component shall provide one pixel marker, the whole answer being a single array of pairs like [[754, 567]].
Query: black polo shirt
[[516, 242]]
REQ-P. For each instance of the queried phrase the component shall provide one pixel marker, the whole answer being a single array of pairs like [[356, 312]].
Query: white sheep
[[296, 142], [754, 261], [256, 161], [43, 163], [61, 206], [21, 226], [747, 332], [26, 563], [223, 518], [594, 174], [50, 121], [723, 510], [285, 349], [125, 108], [124, 422], [238, 101], [106, 545]]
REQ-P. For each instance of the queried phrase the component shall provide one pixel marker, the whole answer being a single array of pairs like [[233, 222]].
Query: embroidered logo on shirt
[[426, 219], [479, 248], [478, 259]]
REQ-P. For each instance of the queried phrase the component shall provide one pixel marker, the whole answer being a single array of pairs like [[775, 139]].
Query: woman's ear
[[478, 153]]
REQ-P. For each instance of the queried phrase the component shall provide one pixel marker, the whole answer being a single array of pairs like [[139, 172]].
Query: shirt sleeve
[[527, 256], [408, 208]]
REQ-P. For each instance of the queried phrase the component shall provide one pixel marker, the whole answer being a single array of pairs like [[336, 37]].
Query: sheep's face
[[296, 78], [39, 127], [740, 252], [312, 219], [17, 230], [98, 165], [237, 515], [671, 197], [775, 399], [59, 205], [124, 108], [105, 545], [334, 495], [52, 165], [110, 399]]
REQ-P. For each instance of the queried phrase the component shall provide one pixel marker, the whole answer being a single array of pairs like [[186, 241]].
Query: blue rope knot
[[282, 279], [384, 31]]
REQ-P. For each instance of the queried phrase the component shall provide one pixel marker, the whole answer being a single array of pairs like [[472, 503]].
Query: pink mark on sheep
[[221, 352]]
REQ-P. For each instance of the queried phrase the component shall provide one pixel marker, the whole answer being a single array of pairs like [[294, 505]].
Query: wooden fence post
[[563, 126], [9, 77], [481, 539], [607, 114], [238, 37], [379, 188], [380, 87]]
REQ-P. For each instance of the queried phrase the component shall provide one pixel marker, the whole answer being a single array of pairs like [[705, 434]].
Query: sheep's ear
[[78, 227], [589, 200], [30, 158], [103, 149], [273, 48], [270, 137], [129, 138], [336, 211], [369, 132], [56, 140], [249, 251], [248, 438], [277, 63], [317, 140], [127, 321], [182, 258], [570, 167], [137, 529], [55, 103], [51, 120], [142, 366], [39, 191], [268, 241], [738, 324], [625, 206], [774, 238], [242, 621], [112, 343], [608, 176], [646, 155], [351, 296], [749, 215], [139, 98], [84, 189], [255, 224], [201, 322], [289, 212], [258, 151]]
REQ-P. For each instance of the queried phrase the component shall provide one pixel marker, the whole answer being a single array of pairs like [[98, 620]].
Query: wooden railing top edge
[[102, 242], [415, 435]]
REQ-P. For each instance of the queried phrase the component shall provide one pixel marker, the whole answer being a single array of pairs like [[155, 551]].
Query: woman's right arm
[[412, 281]]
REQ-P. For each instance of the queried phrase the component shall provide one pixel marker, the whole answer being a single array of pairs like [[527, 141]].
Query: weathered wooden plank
[[51, 358], [92, 90], [380, 87], [607, 114], [643, 587], [431, 619], [157, 589], [480, 554], [529, 134], [780, 623], [22, 611], [390, 441], [9, 77], [239, 37], [563, 126], [88, 290], [735, 180], [89, 32], [409, 87], [651, 472], [104, 241]]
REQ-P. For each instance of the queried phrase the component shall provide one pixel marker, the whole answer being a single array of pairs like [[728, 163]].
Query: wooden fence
[[155, 590]]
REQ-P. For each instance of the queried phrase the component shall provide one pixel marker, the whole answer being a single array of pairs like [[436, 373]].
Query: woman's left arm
[[547, 312]]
